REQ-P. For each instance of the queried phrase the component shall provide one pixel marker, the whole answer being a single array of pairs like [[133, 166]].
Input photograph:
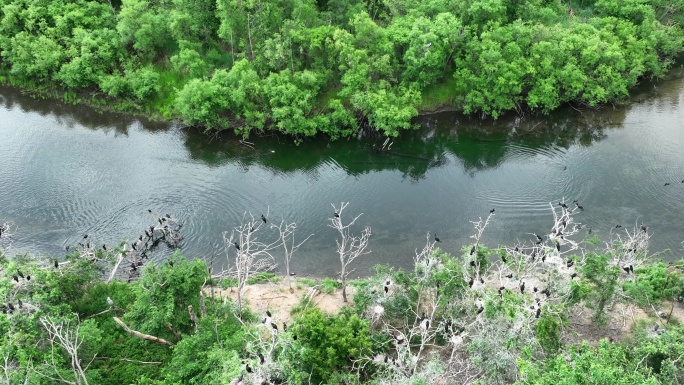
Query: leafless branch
[[349, 247]]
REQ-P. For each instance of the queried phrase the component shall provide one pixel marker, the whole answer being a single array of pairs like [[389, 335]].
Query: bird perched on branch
[[263, 218]]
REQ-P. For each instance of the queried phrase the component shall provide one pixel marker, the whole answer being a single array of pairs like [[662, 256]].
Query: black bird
[[547, 292], [140, 238], [538, 313], [522, 287], [626, 269], [558, 246], [472, 250], [539, 238], [28, 277], [263, 218], [544, 258], [570, 263], [666, 184], [579, 206], [631, 269], [481, 280], [563, 205], [492, 211], [160, 221], [573, 275], [135, 246], [249, 370], [517, 248], [268, 313], [251, 229], [470, 283], [168, 216], [85, 236], [149, 211], [20, 303], [284, 327], [336, 215], [472, 263], [501, 289], [11, 307], [14, 276], [386, 289], [480, 310], [56, 264], [503, 258], [534, 289], [261, 358], [618, 226], [589, 230], [104, 247], [20, 273], [66, 248], [509, 275], [274, 326], [437, 238], [644, 228], [236, 245]]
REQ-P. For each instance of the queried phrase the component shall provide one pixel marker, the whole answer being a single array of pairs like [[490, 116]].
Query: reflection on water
[[69, 170]]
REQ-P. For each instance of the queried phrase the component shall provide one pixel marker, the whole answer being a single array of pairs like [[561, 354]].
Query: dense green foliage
[[486, 316], [304, 67]]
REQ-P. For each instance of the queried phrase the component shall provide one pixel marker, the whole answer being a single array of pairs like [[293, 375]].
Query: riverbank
[[324, 69]]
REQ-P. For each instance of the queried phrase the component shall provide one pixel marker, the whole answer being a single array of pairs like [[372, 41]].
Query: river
[[66, 171]]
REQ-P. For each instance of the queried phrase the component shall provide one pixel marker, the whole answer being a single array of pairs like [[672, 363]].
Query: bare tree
[[66, 336], [348, 247], [251, 254], [286, 233]]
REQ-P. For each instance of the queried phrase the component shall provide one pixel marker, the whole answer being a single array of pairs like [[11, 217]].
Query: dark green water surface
[[68, 170]]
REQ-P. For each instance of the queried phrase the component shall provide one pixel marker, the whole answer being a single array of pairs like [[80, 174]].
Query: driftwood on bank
[[142, 335]]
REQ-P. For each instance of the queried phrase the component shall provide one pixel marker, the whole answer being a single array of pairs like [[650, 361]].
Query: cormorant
[[631, 269], [470, 283], [492, 211], [104, 247], [570, 263], [11, 307], [666, 184], [472, 263], [558, 246], [249, 370], [85, 236], [268, 313], [472, 250], [28, 277], [236, 245], [644, 228], [386, 289], [56, 264], [274, 326], [480, 310], [573, 275], [168, 216], [20, 273], [503, 258], [149, 211], [534, 289], [509, 275], [336, 215], [263, 218], [14, 276], [517, 248], [261, 358], [563, 205], [618, 226], [590, 230], [522, 287], [437, 238], [538, 313], [579, 206], [20, 303], [284, 327]]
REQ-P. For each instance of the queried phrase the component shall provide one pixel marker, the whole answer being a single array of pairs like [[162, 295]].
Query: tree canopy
[[303, 67]]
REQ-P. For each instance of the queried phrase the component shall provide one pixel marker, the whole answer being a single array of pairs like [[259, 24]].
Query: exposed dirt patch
[[279, 299]]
